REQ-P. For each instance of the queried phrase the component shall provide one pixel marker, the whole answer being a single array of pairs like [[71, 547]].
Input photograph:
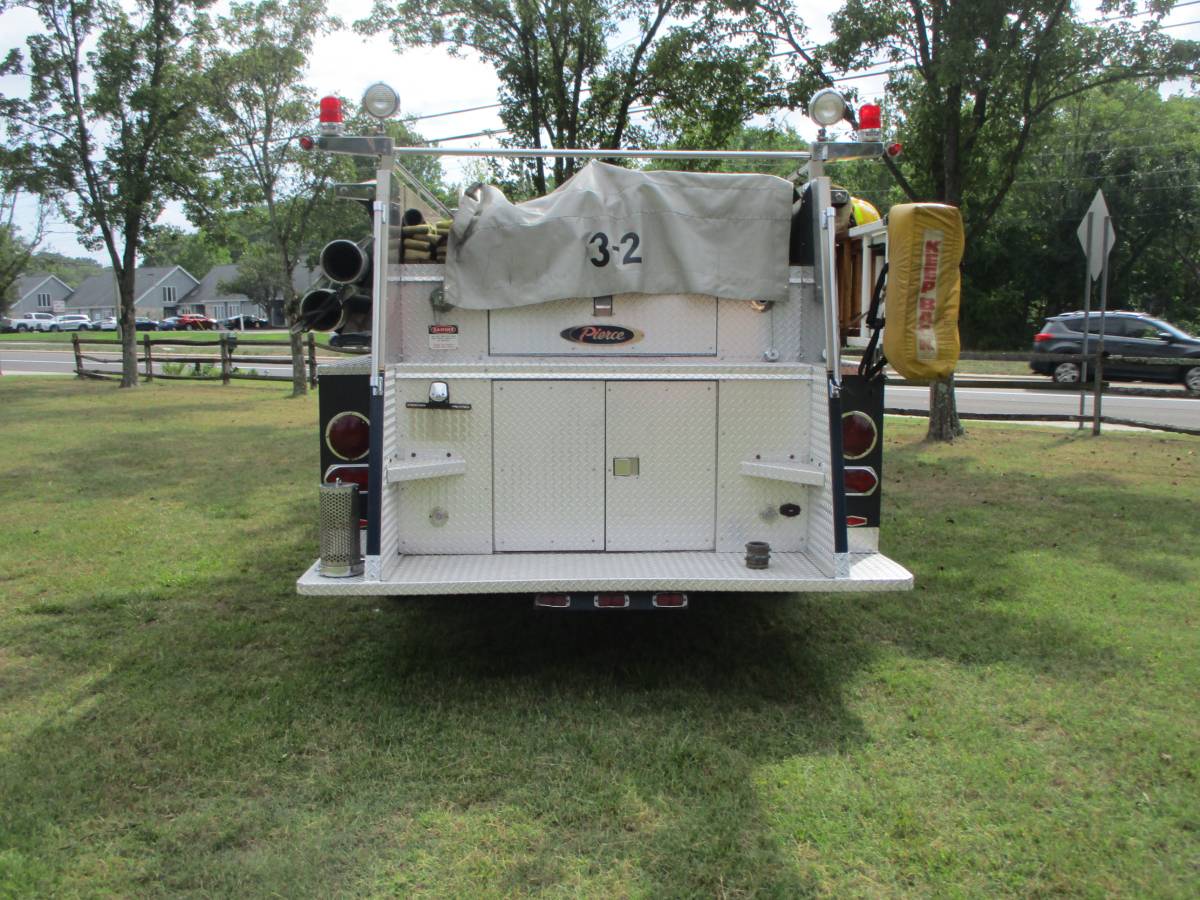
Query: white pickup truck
[[33, 321]]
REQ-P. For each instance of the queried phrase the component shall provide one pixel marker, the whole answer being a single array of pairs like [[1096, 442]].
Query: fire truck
[[615, 396]]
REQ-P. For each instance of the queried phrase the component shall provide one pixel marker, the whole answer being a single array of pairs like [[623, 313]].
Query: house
[[157, 292], [209, 298], [40, 292]]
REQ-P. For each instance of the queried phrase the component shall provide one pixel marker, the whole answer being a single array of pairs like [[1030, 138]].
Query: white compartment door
[[660, 465], [548, 465]]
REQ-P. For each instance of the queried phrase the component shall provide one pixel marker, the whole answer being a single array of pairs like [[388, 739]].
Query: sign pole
[[1087, 314], [1100, 348]]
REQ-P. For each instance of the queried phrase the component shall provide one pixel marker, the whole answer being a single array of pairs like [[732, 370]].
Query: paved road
[[1179, 411]]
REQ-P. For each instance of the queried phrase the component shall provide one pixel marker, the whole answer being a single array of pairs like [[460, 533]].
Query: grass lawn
[[173, 719]]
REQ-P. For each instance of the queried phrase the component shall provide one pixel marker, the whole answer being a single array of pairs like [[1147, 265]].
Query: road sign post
[[1097, 236]]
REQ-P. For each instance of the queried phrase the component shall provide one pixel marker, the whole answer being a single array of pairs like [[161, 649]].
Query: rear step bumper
[[533, 573]]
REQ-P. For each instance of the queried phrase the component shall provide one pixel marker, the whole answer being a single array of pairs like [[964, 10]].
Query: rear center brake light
[[611, 601], [670, 601]]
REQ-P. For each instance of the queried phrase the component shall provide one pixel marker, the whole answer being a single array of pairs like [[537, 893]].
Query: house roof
[[101, 290], [27, 284], [209, 289]]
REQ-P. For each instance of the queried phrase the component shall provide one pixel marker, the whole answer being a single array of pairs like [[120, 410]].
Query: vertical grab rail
[[826, 259], [379, 281]]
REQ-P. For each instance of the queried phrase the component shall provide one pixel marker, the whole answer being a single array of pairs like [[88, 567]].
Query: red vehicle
[[195, 322]]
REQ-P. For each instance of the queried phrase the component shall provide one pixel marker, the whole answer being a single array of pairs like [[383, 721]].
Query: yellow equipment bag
[[925, 247]]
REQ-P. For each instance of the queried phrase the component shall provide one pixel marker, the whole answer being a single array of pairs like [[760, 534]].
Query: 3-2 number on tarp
[[605, 251]]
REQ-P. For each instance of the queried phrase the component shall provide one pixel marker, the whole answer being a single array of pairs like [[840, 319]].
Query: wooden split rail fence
[[225, 366]]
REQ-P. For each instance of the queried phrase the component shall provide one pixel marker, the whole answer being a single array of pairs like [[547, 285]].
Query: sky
[[431, 81]]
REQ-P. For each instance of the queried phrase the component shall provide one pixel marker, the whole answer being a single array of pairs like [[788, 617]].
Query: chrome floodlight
[[827, 107], [380, 101]]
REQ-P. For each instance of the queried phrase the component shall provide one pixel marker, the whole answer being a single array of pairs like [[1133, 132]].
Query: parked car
[[237, 323], [1128, 334], [34, 321], [108, 323], [170, 323], [141, 323], [194, 322], [71, 322]]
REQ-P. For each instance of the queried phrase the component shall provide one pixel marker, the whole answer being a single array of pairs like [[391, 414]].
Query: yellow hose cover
[[925, 247]]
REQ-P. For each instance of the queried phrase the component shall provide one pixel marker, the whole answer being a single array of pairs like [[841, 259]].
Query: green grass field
[[174, 720]]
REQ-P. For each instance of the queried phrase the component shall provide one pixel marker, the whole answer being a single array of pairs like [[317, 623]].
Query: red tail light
[[860, 480], [858, 434], [611, 601], [1042, 336], [348, 435], [669, 601], [856, 521], [552, 601], [359, 475]]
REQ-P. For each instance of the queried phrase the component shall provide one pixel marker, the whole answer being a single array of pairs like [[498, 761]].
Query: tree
[[563, 85], [1144, 152], [197, 251], [16, 249], [258, 277], [256, 113], [110, 122], [976, 82]]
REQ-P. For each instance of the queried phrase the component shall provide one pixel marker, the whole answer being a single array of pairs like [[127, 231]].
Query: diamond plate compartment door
[[660, 464], [549, 465]]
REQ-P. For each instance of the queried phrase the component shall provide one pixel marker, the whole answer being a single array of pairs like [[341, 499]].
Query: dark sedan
[[1126, 334], [238, 323]]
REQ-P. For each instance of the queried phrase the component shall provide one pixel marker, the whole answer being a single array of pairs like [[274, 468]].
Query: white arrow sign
[[1095, 253]]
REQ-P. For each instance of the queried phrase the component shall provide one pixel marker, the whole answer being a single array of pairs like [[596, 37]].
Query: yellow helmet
[[864, 212]]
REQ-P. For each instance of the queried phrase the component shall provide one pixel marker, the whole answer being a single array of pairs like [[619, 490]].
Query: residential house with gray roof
[[210, 298], [157, 292], [39, 292]]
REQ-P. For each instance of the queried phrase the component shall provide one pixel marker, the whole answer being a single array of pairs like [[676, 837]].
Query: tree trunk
[[299, 382], [127, 317], [943, 411]]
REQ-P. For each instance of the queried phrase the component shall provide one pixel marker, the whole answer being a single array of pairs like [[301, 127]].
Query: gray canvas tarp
[[611, 231]]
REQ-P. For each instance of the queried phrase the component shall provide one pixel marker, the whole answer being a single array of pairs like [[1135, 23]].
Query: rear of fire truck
[[614, 396]]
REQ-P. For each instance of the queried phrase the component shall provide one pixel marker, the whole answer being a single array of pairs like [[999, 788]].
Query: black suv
[[1125, 334]]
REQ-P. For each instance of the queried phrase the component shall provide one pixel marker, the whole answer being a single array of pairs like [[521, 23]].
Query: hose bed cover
[[610, 230]]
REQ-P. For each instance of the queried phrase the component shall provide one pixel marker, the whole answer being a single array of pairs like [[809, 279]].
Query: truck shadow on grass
[[225, 736]]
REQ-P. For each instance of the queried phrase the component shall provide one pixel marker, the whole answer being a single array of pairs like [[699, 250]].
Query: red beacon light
[[331, 115], [870, 122], [894, 149]]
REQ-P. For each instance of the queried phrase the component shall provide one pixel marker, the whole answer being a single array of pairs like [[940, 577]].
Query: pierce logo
[[602, 334]]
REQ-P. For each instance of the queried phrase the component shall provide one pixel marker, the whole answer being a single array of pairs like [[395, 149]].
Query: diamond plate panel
[[670, 427], [389, 518], [810, 327], [446, 515], [768, 420], [532, 572], [549, 465], [820, 522]]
